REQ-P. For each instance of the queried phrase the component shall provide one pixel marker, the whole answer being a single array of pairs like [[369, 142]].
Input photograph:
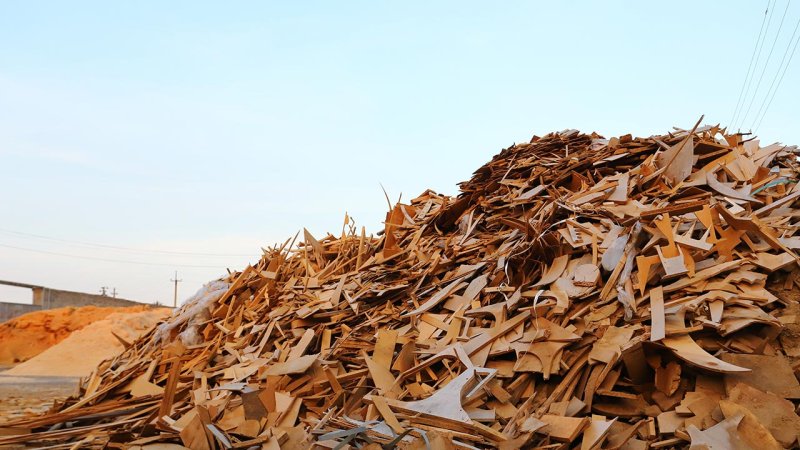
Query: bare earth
[[21, 396]]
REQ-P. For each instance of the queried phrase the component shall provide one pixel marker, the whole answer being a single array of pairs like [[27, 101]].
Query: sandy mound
[[83, 350], [24, 337]]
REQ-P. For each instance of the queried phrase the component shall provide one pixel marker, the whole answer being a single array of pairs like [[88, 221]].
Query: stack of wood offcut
[[580, 292]]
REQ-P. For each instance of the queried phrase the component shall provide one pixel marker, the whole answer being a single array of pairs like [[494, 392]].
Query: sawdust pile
[[80, 353], [580, 292], [25, 336]]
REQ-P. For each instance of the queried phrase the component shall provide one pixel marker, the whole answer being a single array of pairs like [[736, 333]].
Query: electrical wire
[[765, 103], [771, 10], [766, 62], [794, 50], [121, 261], [120, 248], [749, 66]]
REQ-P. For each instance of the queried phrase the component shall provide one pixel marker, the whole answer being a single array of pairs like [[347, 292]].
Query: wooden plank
[[657, 318]]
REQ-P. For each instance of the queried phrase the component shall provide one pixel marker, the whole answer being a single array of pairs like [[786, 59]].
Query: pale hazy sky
[[219, 127]]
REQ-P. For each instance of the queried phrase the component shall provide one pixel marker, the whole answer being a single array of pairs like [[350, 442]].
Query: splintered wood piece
[[564, 429], [446, 402], [776, 204], [387, 414], [696, 244], [702, 275], [668, 422], [302, 345], [620, 193], [542, 357], [141, 387], [438, 297], [727, 191], [673, 266], [532, 425], [657, 318], [445, 405], [554, 271], [724, 435], [381, 376], [750, 428], [668, 378], [384, 347], [597, 430], [770, 373], [643, 264], [716, 307], [771, 262], [167, 402], [677, 161], [687, 349], [193, 434], [471, 293], [292, 366], [774, 412], [609, 348], [586, 275], [476, 343]]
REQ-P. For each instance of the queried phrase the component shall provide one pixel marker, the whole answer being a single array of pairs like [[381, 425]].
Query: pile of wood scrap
[[580, 292]]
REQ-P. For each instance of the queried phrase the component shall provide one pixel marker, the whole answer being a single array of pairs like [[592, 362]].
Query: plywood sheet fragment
[[677, 161], [770, 373], [564, 429], [776, 414], [292, 366], [687, 349], [657, 317]]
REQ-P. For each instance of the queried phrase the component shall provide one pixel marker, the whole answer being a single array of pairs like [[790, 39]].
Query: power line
[[121, 261], [771, 10], [120, 248], [794, 50], [766, 63], [756, 120], [749, 66]]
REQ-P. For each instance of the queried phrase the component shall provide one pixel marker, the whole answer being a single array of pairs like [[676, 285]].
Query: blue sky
[[206, 127]]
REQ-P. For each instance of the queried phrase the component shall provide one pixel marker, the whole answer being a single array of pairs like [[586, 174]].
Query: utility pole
[[103, 290], [114, 292], [175, 295]]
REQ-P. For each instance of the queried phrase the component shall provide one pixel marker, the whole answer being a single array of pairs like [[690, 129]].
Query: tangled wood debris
[[579, 293]]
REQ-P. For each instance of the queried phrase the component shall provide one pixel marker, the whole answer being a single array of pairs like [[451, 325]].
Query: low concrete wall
[[11, 310], [55, 298], [47, 298]]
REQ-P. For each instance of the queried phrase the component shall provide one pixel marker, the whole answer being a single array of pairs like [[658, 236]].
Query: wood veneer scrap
[[578, 292]]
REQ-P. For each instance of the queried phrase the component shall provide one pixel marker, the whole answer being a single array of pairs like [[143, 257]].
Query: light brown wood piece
[[384, 347], [750, 428], [770, 373], [595, 432], [657, 317], [302, 345], [668, 422], [291, 366], [687, 349], [722, 435], [387, 414], [564, 429], [554, 271]]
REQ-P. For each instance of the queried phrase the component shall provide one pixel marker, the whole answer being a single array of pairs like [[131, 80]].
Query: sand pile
[[84, 349], [24, 337]]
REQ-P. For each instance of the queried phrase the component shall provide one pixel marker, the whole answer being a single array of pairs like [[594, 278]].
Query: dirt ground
[[21, 396]]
